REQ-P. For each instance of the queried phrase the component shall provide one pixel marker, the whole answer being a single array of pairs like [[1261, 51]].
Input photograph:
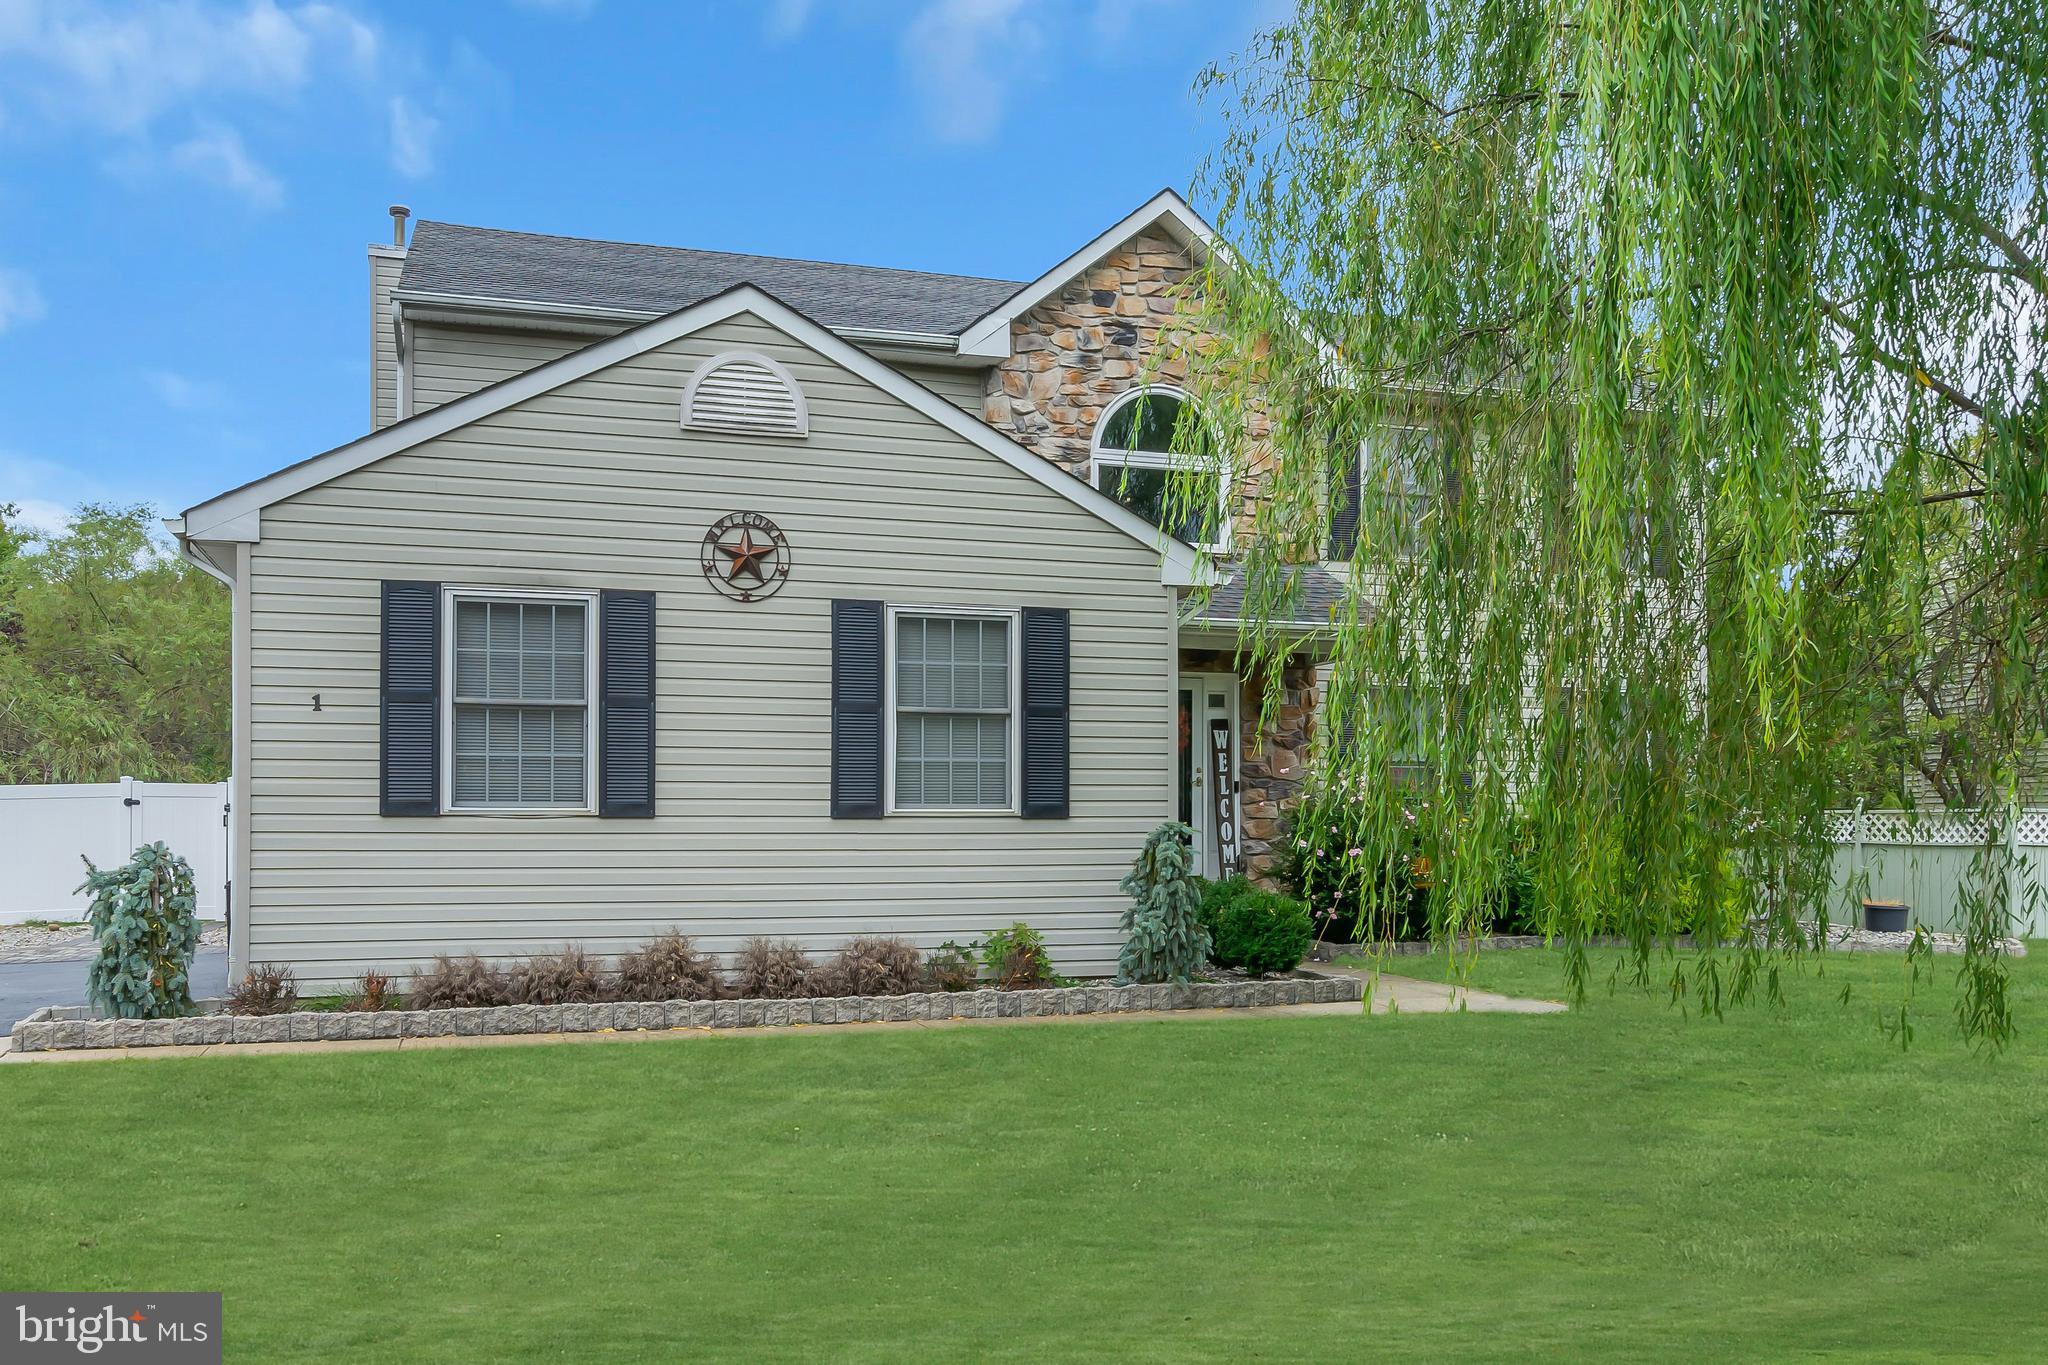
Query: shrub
[[141, 914], [464, 982], [773, 969], [668, 968], [873, 966], [269, 989], [1017, 959], [1329, 866], [1163, 935], [372, 992], [570, 977], [1253, 929], [952, 967]]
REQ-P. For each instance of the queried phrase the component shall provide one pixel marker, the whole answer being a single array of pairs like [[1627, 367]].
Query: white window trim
[[450, 595], [1375, 454], [1013, 618], [1100, 455]]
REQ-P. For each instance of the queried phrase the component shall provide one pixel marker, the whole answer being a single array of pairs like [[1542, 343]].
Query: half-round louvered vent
[[747, 392]]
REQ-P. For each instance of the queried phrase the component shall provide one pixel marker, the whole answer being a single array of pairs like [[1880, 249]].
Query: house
[[739, 594]]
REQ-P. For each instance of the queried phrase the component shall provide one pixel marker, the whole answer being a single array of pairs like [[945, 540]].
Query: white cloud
[[48, 493], [183, 392], [413, 131], [960, 55], [147, 73], [788, 18], [217, 155], [20, 300], [1118, 21], [44, 518], [121, 69]]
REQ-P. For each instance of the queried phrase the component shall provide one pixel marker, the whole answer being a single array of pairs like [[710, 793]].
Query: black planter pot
[[1886, 917]]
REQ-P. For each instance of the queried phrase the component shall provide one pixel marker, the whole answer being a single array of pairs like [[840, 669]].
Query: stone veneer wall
[[1072, 356], [1271, 763]]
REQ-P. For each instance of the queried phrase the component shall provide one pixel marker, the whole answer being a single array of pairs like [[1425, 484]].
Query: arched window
[[1135, 460], [747, 392]]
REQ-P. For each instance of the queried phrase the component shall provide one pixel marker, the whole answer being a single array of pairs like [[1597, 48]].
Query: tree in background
[[1695, 351], [114, 655]]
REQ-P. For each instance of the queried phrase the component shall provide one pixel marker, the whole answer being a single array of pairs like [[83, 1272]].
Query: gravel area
[[71, 943], [1872, 941]]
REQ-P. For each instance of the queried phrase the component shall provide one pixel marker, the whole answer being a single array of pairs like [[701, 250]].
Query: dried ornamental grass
[[570, 977], [874, 966], [465, 982], [668, 968], [269, 989], [773, 969]]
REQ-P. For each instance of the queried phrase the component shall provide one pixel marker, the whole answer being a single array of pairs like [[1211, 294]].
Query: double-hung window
[[952, 710], [518, 729], [1404, 465]]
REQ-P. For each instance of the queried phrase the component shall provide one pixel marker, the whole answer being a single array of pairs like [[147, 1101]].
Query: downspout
[[402, 380], [191, 553]]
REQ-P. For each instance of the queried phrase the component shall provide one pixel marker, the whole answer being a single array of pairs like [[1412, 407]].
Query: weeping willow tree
[[1648, 364]]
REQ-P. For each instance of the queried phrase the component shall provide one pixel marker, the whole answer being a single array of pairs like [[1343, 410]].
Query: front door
[[1208, 769]]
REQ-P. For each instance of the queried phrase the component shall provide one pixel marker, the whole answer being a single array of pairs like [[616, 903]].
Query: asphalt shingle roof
[[447, 258], [1316, 592]]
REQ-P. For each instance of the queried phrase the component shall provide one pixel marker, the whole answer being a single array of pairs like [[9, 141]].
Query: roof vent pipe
[[399, 213]]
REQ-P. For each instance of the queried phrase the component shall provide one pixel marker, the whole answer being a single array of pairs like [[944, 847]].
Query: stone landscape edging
[[59, 1028]]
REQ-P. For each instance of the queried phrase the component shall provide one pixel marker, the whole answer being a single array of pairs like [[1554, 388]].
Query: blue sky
[[187, 186]]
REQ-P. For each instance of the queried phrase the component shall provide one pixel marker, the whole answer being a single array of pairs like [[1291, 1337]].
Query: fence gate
[[44, 830]]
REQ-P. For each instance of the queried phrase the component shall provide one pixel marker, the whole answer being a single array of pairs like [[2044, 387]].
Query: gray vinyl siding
[[453, 362], [449, 362], [964, 389], [593, 486], [384, 271]]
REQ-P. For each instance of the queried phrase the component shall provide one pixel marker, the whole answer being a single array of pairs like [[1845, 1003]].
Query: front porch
[[1235, 779]]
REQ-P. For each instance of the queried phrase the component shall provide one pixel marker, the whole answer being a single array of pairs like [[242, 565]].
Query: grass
[[1619, 1183]]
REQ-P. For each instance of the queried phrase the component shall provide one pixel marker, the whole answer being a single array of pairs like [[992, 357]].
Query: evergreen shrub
[[141, 913], [1163, 935]]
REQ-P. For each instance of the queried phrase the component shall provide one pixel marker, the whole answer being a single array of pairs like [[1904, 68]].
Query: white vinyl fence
[[1931, 859], [44, 829]]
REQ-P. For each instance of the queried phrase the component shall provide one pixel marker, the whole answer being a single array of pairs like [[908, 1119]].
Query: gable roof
[[236, 514], [990, 334], [449, 262]]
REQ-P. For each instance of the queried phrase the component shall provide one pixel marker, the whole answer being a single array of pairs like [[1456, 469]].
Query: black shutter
[[1663, 546], [625, 723], [409, 750], [1453, 473], [856, 710], [1346, 483], [1047, 655]]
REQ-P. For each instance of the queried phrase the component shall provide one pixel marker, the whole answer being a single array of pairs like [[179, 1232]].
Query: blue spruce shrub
[[142, 916], [1163, 935]]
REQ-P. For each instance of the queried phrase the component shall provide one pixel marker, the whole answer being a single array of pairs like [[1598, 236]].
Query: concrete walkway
[[1412, 995]]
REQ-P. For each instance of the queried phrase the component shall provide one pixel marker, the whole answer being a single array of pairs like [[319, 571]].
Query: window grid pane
[[953, 712], [515, 742]]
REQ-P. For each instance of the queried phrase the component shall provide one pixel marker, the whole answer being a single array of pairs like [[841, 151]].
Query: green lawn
[[1617, 1183]]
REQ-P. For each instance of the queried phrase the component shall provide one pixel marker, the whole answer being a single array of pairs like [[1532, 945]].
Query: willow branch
[[2025, 266]]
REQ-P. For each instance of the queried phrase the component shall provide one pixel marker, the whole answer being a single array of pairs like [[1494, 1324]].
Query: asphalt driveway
[[26, 987]]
